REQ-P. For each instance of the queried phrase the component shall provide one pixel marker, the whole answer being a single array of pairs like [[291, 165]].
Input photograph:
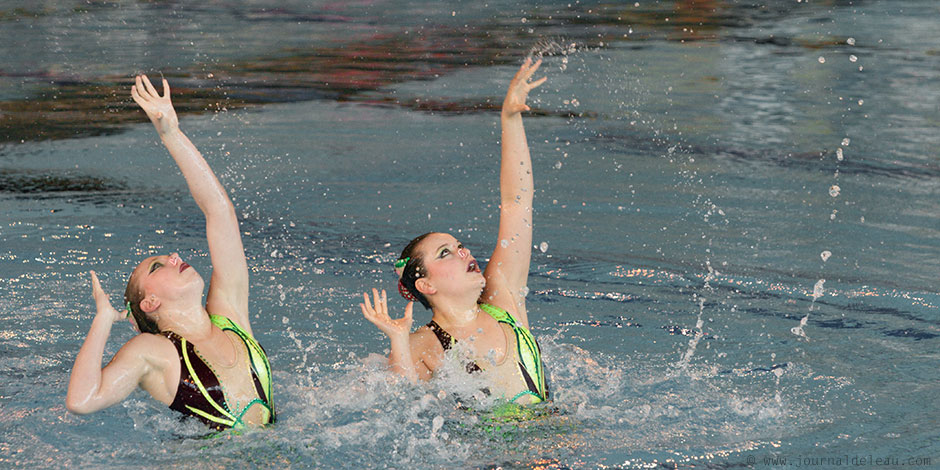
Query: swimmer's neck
[[454, 316], [191, 323]]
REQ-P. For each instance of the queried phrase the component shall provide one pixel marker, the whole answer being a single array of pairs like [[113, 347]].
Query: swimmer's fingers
[[530, 68], [536, 83], [409, 310], [95, 285], [142, 89], [150, 88], [140, 100], [366, 305], [368, 310], [102, 300], [166, 89], [381, 306]]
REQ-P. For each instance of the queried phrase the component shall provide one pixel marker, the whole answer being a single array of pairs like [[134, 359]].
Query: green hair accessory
[[402, 262], [127, 308]]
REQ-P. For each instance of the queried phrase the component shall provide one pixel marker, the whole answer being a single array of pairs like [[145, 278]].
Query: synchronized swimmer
[[484, 311], [199, 360], [203, 361]]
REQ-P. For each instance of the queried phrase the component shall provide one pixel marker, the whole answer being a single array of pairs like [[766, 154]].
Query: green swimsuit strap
[[259, 365], [527, 351]]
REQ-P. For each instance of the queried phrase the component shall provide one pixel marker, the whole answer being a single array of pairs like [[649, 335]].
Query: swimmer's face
[[448, 265], [168, 278]]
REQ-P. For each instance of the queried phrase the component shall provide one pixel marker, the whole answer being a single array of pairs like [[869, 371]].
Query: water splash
[[552, 47], [693, 343], [818, 291]]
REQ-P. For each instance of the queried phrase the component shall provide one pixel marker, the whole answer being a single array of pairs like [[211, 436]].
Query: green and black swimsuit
[[527, 353], [201, 395]]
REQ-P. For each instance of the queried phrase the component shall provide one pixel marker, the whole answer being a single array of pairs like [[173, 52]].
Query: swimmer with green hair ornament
[[482, 311]]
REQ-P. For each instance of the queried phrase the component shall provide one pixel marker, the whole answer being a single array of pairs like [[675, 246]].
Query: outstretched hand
[[158, 108], [520, 87], [103, 302], [378, 315]]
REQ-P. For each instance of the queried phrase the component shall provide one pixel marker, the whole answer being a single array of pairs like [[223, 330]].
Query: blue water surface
[[737, 223]]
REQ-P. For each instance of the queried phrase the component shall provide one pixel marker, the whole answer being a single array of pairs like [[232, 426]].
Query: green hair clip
[[127, 308], [402, 262]]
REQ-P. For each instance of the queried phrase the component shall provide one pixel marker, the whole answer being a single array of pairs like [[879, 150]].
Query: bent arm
[[508, 270], [400, 359], [228, 288], [92, 388]]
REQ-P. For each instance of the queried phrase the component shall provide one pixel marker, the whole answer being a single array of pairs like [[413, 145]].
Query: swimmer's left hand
[[158, 108], [520, 87]]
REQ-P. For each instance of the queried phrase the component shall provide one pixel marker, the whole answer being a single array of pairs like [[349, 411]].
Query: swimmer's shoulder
[[160, 362], [155, 349], [426, 346]]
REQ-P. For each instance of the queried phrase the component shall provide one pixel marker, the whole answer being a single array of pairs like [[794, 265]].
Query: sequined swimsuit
[[527, 353], [201, 395]]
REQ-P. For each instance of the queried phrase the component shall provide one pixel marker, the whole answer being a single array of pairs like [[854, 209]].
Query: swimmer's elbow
[[79, 405]]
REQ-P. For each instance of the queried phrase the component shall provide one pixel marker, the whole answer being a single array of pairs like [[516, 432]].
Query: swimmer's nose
[[174, 259]]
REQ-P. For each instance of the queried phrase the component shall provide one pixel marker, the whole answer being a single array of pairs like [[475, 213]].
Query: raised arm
[[92, 388], [228, 288], [508, 270]]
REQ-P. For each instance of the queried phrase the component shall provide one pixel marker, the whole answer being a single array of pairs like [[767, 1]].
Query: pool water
[[737, 223]]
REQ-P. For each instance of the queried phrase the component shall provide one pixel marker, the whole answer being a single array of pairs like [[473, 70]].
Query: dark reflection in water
[[359, 70], [28, 182]]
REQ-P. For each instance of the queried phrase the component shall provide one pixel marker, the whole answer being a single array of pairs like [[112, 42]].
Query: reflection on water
[[684, 156]]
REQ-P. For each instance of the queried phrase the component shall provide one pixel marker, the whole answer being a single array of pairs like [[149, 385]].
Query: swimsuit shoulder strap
[[444, 337], [528, 354], [260, 367], [499, 314]]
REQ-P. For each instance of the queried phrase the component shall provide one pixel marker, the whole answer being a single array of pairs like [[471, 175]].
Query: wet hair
[[132, 297], [412, 271]]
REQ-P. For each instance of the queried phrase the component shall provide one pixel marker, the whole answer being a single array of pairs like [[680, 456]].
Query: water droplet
[[557, 165], [818, 289], [543, 247], [839, 155], [853, 58], [861, 102], [845, 142], [822, 60], [825, 255], [833, 215], [850, 41], [524, 291], [504, 243], [834, 190]]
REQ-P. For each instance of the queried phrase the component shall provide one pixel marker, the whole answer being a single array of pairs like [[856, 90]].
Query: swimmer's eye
[[154, 266], [445, 252]]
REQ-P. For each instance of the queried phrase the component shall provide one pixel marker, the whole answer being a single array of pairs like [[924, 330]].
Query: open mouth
[[183, 266], [472, 267]]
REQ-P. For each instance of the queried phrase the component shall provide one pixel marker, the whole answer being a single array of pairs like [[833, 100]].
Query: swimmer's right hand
[[158, 108], [103, 302], [378, 315]]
